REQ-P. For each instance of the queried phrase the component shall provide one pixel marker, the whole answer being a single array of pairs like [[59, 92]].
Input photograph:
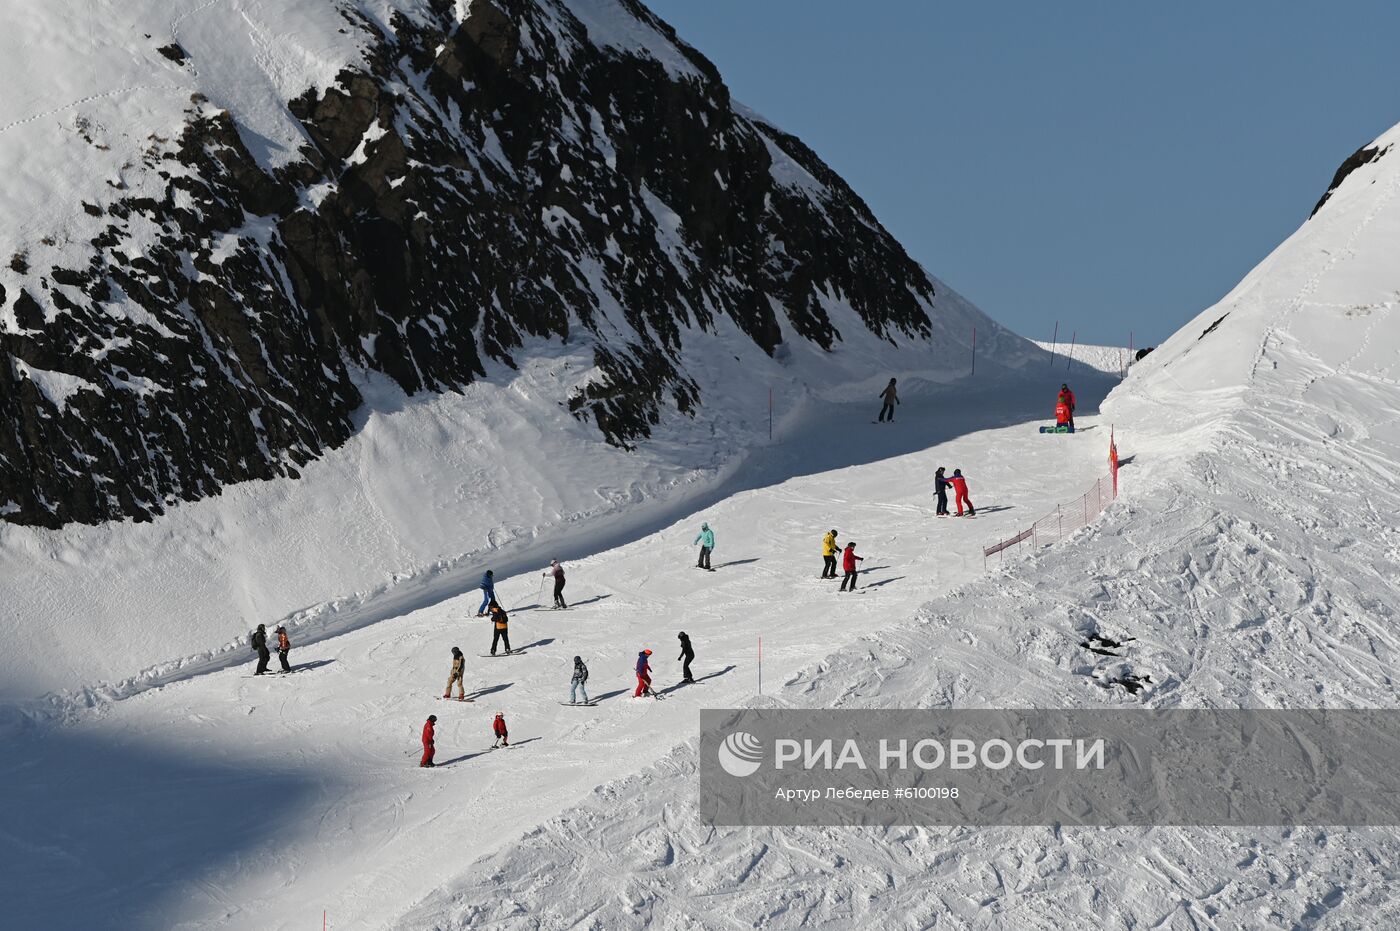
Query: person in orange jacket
[[284, 646], [1064, 417], [429, 746], [960, 489], [498, 727]]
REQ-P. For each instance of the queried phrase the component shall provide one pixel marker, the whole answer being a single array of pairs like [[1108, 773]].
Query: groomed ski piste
[[248, 802], [1252, 561]]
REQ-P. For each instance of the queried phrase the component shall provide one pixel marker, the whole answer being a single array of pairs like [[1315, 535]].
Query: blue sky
[[1115, 166]]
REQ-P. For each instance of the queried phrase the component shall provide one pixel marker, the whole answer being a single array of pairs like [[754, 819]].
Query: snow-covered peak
[[1314, 328]]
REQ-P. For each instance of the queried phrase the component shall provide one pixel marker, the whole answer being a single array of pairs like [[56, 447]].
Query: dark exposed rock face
[[1362, 156], [468, 187]]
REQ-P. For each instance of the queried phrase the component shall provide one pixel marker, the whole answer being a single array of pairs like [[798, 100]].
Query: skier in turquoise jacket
[[706, 539]]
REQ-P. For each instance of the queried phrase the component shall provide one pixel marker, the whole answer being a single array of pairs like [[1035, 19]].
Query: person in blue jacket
[[706, 539], [488, 592]]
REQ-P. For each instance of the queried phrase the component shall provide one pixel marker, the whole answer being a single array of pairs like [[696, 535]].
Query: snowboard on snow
[[1057, 429], [499, 655], [445, 698], [579, 704]]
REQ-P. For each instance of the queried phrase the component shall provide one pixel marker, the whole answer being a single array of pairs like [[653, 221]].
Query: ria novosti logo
[[741, 754]]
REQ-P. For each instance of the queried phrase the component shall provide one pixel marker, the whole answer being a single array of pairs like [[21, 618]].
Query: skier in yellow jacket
[[829, 550]]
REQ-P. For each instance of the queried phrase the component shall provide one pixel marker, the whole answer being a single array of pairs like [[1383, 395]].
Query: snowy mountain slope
[[248, 803], [1255, 561], [224, 214], [429, 492]]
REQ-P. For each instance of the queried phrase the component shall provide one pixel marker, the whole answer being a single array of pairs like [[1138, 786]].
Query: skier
[[940, 488], [429, 745], [706, 539], [488, 592], [284, 646], [687, 656], [643, 676], [1066, 397], [557, 571], [501, 622], [260, 648], [498, 727], [848, 563], [457, 675], [829, 549], [960, 486], [578, 682], [891, 398]]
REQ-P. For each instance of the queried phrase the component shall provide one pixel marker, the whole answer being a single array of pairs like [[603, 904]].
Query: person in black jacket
[[940, 487], [260, 648], [687, 655]]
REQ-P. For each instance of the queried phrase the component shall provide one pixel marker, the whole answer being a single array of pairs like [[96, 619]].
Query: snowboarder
[[557, 571], [501, 625], [260, 648], [488, 592], [829, 550], [940, 488], [1066, 397], [687, 656], [498, 727], [643, 676], [891, 398], [284, 646], [579, 681], [960, 486], [706, 539], [429, 745], [848, 564], [457, 675]]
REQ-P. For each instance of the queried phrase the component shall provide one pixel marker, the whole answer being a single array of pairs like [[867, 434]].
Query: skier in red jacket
[[848, 565], [498, 727], [960, 489], [429, 747], [1067, 398], [1063, 415]]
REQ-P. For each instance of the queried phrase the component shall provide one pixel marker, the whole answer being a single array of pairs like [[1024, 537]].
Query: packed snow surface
[[1255, 561]]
